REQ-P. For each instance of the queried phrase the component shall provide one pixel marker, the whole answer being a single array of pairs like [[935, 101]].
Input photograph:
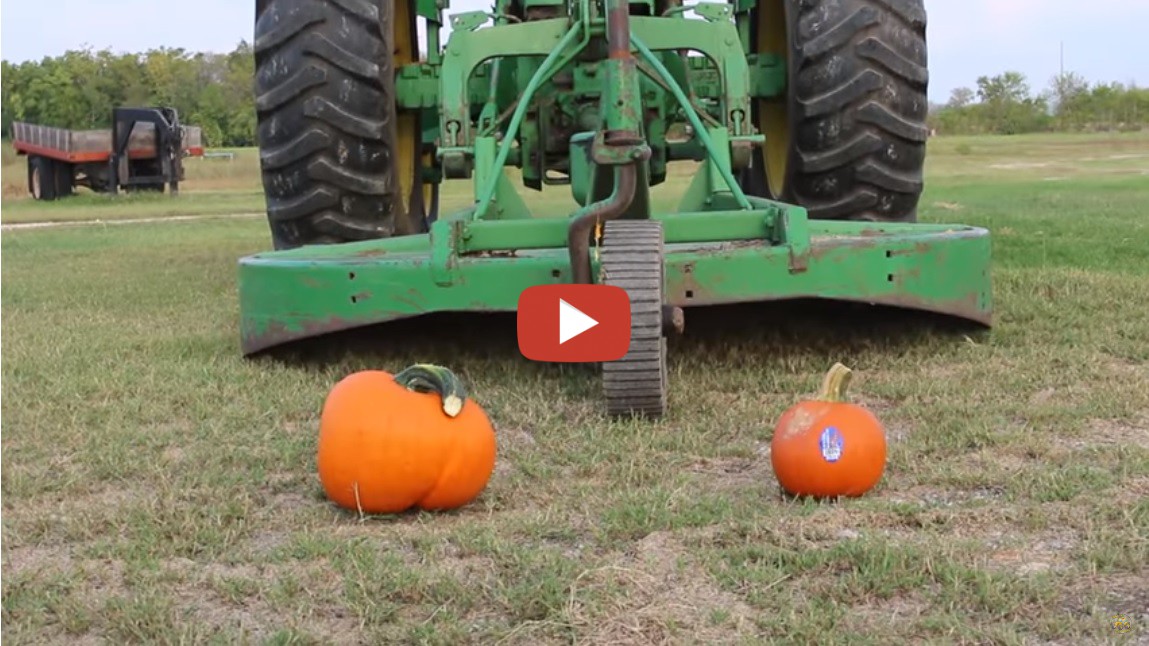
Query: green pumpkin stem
[[429, 378], [835, 383]]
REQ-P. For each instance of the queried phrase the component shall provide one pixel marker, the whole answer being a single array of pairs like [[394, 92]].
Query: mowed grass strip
[[159, 488]]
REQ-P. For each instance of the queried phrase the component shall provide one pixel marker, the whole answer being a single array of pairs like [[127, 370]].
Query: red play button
[[574, 323]]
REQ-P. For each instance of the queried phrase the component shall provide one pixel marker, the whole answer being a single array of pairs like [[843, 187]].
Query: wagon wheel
[[42, 184], [36, 182], [632, 258]]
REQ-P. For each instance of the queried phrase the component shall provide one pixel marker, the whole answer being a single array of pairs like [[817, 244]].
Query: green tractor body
[[805, 121]]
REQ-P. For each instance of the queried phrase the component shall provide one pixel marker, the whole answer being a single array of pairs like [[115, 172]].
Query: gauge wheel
[[631, 257]]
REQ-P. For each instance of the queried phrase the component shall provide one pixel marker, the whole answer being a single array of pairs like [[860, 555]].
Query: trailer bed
[[88, 146]]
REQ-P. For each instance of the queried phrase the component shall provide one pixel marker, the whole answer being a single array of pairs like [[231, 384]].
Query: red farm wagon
[[142, 151]]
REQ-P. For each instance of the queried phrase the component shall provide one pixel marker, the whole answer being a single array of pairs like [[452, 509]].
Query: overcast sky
[[1105, 40]]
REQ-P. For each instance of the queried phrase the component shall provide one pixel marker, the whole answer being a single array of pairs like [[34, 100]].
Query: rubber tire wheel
[[632, 258], [858, 105], [42, 173], [326, 113], [65, 179]]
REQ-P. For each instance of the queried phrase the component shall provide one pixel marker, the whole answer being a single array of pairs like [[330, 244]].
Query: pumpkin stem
[[835, 383], [429, 378]]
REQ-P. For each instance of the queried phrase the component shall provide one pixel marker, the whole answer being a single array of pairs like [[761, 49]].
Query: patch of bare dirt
[[474, 570], [1030, 554], [511, 441], [121, 222], [1021, 165], [214, 594], [736, 473], [1132, 491], [1113, 594], [876, 615], [948, 206], [1008, 460], [665, 596], [110, 498], [36, 559], [1107, 433], [73, 518], [263, 544]]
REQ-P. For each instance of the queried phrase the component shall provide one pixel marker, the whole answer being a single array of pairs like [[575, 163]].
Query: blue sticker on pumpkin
[[831, 444]]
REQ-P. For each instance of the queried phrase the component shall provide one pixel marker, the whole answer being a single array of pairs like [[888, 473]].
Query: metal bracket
[[469, 20], [445, 241], [713, 11], [792, 228]]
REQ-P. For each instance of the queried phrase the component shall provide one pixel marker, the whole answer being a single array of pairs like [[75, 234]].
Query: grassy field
[[227, 187], [159, 488]]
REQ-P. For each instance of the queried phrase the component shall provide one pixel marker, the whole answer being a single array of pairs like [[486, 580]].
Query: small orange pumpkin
[[826, 446], [390, 443]]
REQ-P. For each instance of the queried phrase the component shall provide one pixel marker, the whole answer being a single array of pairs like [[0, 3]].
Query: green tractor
[[805, 122]]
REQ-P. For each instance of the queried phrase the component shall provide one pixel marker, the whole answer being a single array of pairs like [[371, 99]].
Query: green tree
[[79, 88]]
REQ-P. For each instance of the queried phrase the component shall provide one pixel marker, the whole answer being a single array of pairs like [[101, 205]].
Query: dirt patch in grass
[[1109, 433], [948, 206], [1102, 598], [735, 473], [1032, 553], [263, 600], [37, 560], [660, 595]]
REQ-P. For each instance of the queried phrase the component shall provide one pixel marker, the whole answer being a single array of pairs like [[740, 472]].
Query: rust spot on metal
[[819, 252], [370, 253], [579, 231], [918, 248], [414, 299], [618, 30]]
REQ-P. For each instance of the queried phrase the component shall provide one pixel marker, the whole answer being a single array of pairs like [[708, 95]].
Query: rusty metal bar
[[578, 240]]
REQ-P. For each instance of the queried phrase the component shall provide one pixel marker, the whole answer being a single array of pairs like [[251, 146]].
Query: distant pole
[[1062, 58]]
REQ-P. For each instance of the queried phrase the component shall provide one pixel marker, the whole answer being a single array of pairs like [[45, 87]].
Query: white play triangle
[[572, 322]]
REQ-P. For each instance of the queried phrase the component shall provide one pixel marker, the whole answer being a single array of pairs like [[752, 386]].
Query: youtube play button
[[574, 323]]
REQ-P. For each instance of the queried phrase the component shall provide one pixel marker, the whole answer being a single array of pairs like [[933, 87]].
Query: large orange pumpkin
[[826, 446], [390, 443]]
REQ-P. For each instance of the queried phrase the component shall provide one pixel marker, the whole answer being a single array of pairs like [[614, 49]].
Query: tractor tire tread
[[860, 129], [325, 103]]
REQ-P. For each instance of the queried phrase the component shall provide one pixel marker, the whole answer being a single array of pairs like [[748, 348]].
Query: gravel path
[[77, 223]]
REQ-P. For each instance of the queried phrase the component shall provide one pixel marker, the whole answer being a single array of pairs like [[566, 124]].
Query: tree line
[[79, 89], [214, 91], [1005, 104]]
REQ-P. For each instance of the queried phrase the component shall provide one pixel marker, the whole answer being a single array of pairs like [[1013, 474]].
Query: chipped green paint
[[296, 294]]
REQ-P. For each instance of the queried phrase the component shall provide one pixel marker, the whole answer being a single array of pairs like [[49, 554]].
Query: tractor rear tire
[[327, 122], [848, 140]]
